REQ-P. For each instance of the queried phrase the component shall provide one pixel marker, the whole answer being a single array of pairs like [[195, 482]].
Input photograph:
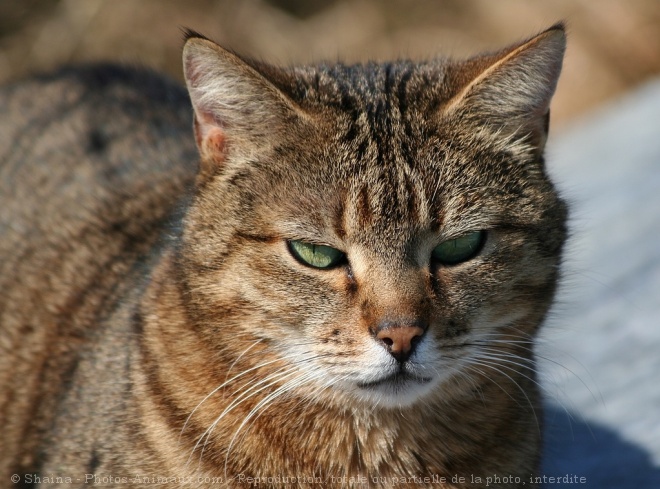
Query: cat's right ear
[[236, 108]]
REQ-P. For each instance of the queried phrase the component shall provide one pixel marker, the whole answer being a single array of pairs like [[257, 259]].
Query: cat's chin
[[396, 390]]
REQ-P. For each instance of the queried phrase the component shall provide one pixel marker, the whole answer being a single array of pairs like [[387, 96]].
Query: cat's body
[[159, 321], [87, 211]]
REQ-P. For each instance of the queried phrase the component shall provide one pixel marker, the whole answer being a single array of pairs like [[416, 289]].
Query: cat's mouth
[[395, 380]]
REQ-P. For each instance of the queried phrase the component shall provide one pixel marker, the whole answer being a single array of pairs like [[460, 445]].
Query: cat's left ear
[[238, 111], [511, 90]]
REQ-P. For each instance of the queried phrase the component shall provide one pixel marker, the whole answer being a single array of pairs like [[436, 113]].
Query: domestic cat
[[342, 292]]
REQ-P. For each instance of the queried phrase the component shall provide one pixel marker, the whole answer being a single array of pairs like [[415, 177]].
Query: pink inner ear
[[215, 143], [210, 138]]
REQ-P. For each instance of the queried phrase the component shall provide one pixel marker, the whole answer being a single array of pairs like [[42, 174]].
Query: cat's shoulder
[[94, 154], [101, 134]]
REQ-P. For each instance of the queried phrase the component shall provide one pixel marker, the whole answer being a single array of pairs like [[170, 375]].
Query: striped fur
[[154, 322]]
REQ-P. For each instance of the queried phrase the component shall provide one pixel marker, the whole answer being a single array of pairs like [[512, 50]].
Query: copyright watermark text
[[286, 480]]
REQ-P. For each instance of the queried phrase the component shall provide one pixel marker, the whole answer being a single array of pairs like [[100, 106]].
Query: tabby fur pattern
[[155, 325]]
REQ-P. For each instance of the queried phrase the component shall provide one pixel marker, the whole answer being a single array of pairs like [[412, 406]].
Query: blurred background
[[614, 45]]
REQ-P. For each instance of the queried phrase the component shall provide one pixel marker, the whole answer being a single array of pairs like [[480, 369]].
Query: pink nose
[[400, 341]]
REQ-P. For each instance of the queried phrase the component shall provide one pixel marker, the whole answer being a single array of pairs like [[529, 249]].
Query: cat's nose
[[400, 339]]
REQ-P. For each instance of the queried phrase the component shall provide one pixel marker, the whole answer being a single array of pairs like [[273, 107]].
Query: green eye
[[458, 250], [317, 256]]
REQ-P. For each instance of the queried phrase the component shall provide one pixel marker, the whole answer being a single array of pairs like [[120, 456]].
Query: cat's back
[[94, 163], [84, 144]]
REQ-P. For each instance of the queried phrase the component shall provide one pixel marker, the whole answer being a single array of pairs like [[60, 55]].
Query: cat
[[336, 282]]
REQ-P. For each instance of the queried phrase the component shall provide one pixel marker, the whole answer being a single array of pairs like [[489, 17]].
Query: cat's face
[[374, 244]]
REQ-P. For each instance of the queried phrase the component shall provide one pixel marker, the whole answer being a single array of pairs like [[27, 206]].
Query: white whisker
[[221, 386], [238, 358], [254, 389], [262, 405], [494, 366], [248, 390]]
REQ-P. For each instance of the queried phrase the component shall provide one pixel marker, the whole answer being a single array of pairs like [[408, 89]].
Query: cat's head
[[376, 231]]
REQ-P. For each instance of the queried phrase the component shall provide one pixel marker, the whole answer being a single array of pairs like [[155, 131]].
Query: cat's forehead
[[383, 124], [375, 178], [372, 87], [381, 159]]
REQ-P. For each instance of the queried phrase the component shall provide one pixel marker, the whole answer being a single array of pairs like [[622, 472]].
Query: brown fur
[[154, 323]]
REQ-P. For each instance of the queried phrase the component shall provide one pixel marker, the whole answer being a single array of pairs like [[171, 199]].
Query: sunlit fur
[[202, 347]]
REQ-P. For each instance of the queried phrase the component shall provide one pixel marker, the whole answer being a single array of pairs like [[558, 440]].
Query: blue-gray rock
[[600, 350]]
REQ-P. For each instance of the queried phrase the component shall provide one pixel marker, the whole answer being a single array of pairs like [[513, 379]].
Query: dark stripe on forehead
[[379, 114], [408, 135], [401, 91], [380, 135], [363, 209], [413, 204]]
